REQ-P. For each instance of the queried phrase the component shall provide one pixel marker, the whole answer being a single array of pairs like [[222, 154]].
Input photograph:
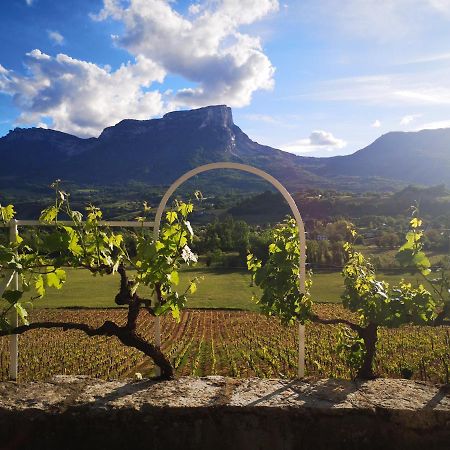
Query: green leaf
[[56, 279], [185, 208], [146, 206], [171, 216], [161, 309], [12, 296], [48, 215], [74, 247], [415, 222], [273, 248], [405, 256], [193, 288], [116, 240], [4, 324], [7, 213], [176, 312], [174, 278], [422, 262], [76, 216], [22, 313], [39, 285]]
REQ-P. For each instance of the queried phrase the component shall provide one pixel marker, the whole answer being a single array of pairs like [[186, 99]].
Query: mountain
[[26, 152], [421, 157], [157, 151]]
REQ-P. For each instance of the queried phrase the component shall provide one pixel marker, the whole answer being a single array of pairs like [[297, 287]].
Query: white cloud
[[318, 140], [442, 6], [80, 97], [406, 120], [56, 37], [380, 20], [29, 2], [376, 124], [206, 46], [195, 8], [434, 125], [438, 57], [428, 87]]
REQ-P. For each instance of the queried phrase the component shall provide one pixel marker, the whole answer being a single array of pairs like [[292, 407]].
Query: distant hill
[[421, 157], [434, 204], [157, 151]]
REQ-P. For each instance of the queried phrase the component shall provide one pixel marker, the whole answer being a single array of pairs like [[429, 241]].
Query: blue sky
[[317, 78]]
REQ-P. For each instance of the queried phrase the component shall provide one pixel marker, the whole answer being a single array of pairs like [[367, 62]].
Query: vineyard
[[221, 342]]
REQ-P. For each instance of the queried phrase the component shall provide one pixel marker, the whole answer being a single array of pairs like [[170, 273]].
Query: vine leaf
[[56, 279]]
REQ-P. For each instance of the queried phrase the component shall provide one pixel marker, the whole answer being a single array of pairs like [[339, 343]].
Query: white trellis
[[301, 232], [13, 279]]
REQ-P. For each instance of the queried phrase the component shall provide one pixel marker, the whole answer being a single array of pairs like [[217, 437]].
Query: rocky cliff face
[[158, 151], [219, 116]]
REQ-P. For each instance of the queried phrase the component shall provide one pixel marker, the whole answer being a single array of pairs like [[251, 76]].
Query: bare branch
[[107, 329], [351, 325]]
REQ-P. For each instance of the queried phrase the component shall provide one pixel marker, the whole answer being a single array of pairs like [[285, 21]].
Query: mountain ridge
[[157, 151]]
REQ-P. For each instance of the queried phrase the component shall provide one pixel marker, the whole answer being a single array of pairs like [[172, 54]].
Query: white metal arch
[[296, 213]]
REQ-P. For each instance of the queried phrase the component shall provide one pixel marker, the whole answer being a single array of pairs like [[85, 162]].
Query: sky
[[316, 78]]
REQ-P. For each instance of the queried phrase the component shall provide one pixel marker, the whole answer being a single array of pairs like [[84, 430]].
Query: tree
[[85, 244], [388, 240], [374, 301]]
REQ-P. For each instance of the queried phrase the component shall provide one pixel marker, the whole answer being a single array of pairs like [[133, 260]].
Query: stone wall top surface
[[62, 392]]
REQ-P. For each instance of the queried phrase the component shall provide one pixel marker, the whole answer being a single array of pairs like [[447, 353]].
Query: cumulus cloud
[[195, 8], [317, 140], [80, 97], [205, 46], [406, 120], [56, 37], [376, 124]]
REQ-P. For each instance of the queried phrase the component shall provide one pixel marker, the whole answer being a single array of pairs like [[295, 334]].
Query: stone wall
[[224, 413]]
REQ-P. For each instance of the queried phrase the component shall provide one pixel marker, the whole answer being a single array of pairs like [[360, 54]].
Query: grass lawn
[[328, 287], [219, 288]]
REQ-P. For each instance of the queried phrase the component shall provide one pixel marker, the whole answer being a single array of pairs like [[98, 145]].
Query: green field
[[219, 288]]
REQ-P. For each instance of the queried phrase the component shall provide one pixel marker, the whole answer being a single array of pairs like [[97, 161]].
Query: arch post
[[296, 213]]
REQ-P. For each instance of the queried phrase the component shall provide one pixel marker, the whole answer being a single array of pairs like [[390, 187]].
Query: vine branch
[[126, 335], [315, 318]]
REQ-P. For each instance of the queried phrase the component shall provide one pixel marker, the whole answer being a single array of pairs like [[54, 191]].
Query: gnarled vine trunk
[[127, 334], [370, 336]]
